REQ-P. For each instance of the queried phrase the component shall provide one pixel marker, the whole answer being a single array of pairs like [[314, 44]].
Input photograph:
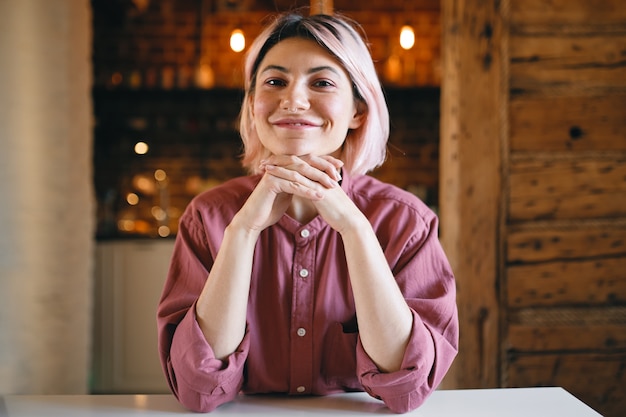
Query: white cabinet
[[129, 277]]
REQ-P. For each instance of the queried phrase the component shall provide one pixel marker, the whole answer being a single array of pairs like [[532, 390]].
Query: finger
[[313, 168], [304, 191], [325, 163], [338, 163], [294, 181], [328, 164]]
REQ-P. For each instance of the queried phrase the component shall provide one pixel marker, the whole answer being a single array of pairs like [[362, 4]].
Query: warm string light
[[237, 40], [141, 148], [407, 37]]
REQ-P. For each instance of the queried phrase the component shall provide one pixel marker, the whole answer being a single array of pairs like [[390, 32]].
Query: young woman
[[308, 276]]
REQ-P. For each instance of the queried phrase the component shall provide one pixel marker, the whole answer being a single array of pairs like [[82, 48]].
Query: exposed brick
[[193, 134]]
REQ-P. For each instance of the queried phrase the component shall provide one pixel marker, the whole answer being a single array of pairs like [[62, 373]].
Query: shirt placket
[[302, 314]]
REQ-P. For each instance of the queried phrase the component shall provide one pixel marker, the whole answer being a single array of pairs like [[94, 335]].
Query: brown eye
[[275, 82], [323, 83]]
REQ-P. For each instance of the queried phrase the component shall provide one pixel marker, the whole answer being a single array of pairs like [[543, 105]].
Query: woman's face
[[303, 102]]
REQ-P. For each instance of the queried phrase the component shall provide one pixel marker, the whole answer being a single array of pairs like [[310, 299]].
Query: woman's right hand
[[265, 206]]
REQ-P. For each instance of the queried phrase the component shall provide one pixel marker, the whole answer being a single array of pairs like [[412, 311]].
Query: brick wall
[[166, 75], [165, 44]]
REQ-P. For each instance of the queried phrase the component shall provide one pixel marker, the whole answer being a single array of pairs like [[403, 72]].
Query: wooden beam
[[470, 180], [322, 7]]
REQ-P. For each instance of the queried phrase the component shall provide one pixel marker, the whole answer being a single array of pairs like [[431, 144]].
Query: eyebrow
[[310, 71]]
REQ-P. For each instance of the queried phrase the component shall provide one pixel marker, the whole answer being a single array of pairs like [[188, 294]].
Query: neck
[[301, 210]]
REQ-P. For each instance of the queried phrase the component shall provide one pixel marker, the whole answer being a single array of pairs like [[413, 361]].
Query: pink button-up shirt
[[302, 333]]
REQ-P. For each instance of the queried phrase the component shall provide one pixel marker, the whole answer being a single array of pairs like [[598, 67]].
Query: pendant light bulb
[[237, 40], [407, 37]]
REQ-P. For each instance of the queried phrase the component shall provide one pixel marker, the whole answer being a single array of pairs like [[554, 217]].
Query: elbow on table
[[203, 402]]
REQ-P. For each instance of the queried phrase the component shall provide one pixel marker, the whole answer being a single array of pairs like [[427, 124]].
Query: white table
[[510, 402]]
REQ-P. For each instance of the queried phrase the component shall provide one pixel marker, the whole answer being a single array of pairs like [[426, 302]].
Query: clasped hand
[[287, 179]]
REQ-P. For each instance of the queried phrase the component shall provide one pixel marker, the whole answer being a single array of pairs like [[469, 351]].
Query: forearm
[[221, 307], [384, 318]]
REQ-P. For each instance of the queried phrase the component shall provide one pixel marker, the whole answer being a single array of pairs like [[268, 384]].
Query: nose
[[295, 98]]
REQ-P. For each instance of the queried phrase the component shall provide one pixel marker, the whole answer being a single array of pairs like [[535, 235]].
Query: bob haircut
[[364, 148]]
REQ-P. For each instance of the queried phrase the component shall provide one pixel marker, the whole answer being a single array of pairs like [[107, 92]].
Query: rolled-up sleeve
[[199, 380], [426, 280], [203, 382], [426, 360]]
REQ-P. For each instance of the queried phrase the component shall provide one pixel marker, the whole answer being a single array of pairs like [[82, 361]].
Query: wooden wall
[[557, 124], [564, 286]]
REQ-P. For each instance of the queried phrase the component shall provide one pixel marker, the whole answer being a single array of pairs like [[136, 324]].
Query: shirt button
[[300, 389], [301, 331], [304, 272], [304, 233]]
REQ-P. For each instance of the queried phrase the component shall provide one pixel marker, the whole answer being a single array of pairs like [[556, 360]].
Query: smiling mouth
[[287, 124], [293, 122]]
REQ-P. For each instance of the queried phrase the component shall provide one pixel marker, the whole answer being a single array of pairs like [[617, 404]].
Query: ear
[[358, 118]]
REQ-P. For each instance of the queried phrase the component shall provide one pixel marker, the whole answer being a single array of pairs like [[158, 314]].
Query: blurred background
[[508, 119]]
